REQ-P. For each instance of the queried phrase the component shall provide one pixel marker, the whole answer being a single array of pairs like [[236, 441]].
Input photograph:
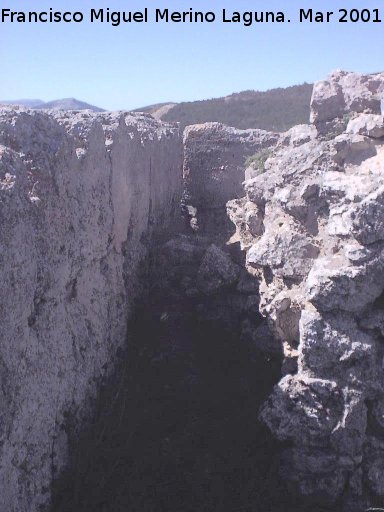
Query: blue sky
[[136, 65]]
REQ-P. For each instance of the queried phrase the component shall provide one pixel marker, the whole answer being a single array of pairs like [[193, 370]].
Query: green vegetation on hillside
[[257, 161], [273, 110]]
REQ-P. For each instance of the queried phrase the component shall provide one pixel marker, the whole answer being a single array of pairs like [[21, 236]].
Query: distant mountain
[[274, 110], [25, 103], [64, 104], [69, 104]]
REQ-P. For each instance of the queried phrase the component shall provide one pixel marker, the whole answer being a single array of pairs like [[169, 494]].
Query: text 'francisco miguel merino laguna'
[[116, 18]]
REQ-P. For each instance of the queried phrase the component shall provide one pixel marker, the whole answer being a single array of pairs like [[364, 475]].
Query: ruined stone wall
[[312, 224], [214, 159], [81, 197]]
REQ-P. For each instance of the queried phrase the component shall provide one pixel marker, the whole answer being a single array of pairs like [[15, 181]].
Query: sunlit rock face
[[312, 226], [342, 95], [82, 195]]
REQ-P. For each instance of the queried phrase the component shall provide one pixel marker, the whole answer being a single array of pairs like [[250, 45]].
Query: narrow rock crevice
[[176, 427]]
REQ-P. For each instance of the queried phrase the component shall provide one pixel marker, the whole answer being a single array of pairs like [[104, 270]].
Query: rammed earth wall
[[81, 197]]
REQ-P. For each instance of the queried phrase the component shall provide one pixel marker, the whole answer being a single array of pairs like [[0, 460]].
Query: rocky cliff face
[[312, 227], [81, 197]]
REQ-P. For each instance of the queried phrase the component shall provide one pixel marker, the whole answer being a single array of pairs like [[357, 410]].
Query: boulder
[[370, 125], [217, 271]]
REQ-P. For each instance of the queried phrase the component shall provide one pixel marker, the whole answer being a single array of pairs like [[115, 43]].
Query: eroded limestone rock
[[320, 255]]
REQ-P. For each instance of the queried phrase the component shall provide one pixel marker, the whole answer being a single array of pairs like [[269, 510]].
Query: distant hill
[[158, 111], [152, 108], [274, 110], [69, 104], [64, 104]]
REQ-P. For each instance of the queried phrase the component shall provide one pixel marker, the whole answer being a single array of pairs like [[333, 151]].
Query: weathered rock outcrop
[[312, 226], [81, 197], [214, 157], [343, 95]]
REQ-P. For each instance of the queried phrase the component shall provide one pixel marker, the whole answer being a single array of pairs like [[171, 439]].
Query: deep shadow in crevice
[[177, 430]]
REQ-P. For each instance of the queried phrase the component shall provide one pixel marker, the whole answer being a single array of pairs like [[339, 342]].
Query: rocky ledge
[[312, 225]]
